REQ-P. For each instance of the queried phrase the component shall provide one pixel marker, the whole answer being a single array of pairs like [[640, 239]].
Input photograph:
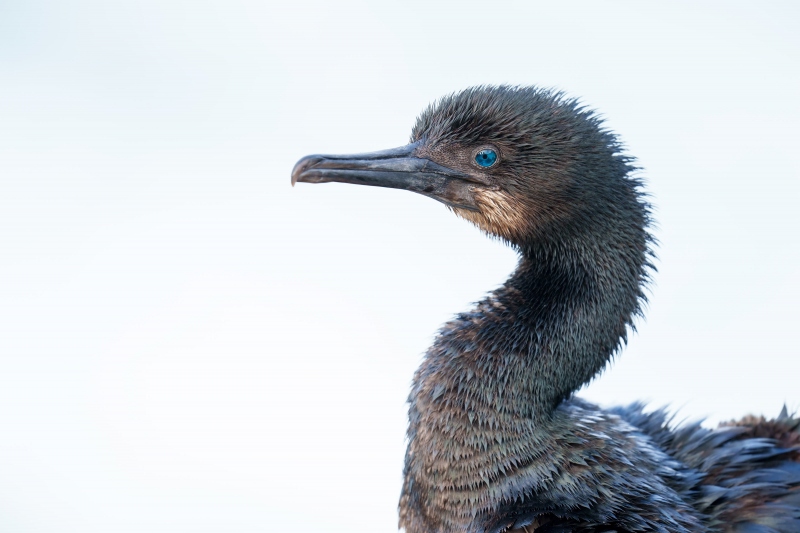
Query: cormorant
[[496, 440]]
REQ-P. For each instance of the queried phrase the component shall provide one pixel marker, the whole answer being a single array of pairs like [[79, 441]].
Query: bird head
[[521, 163]]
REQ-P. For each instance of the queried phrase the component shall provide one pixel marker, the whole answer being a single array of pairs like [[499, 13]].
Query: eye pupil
[[486, 157]]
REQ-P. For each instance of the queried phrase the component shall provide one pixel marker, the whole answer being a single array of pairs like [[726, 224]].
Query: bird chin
[[497, 214]]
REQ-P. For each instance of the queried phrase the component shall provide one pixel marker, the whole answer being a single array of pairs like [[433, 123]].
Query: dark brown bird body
[[497, 442]]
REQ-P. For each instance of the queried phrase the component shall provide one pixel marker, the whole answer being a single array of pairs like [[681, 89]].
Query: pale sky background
[[187, 344]]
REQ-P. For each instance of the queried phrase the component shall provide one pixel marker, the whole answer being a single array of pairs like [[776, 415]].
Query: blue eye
[[486, 157]]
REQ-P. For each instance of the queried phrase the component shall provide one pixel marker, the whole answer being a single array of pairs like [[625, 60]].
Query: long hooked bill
[[396, 168]]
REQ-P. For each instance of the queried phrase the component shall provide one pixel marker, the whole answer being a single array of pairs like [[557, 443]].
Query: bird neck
[[531, 343], [485, 397]]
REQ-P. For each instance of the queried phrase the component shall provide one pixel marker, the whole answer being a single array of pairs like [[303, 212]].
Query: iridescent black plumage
[[496, 440]]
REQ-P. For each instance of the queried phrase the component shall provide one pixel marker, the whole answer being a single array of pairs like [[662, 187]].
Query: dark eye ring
[[486, 158]]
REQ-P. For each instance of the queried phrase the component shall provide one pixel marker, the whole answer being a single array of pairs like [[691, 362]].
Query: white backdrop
[[187, 344]]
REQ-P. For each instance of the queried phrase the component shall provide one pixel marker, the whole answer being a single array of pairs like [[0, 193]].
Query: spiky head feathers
[[558, 169]]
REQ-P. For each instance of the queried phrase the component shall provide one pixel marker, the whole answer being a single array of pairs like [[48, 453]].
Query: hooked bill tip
[[301, 166]]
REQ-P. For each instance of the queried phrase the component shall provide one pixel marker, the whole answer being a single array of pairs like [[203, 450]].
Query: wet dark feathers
[[497, 442]]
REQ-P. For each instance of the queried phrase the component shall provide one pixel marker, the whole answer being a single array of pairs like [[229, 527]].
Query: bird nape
[[496, 440]]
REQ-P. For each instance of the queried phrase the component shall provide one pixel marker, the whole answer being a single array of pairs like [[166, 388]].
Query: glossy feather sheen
[[496, 440]]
